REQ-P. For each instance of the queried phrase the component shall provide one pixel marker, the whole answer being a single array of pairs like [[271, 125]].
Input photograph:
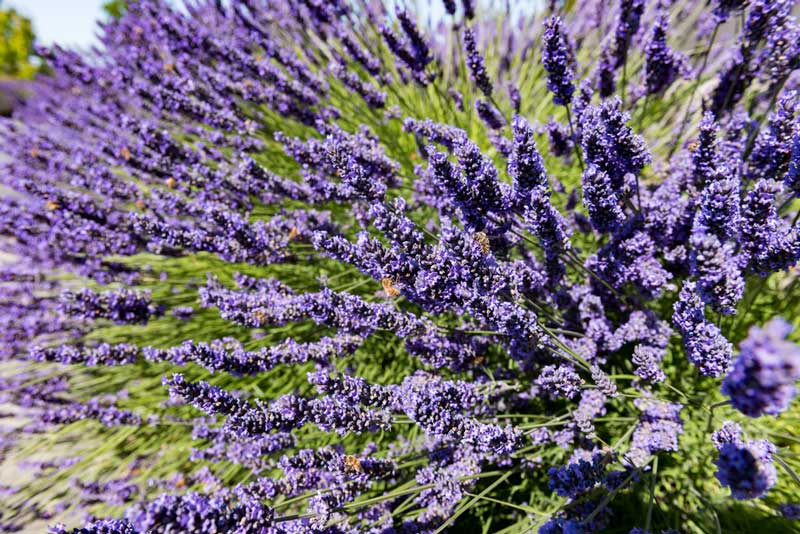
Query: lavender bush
[[322, 266]]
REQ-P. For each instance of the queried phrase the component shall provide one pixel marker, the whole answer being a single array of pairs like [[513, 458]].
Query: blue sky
[[69, 22], [72, 22]]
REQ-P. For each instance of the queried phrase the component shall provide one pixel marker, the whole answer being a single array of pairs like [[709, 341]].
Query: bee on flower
[[387, 283]]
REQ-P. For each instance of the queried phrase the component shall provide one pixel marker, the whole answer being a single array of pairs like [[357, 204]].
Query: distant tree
[[16, 45], [115, 8]]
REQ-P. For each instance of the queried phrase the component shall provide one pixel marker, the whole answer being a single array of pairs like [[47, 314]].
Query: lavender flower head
[[476, 64], [746, 468], [762, 380], [121, 306], [662, 64], [601, 200], [469, 9], [723, 8], [659, 429], [628, 20], [579, 477], [556, 60], [606, 73], [559, 381], [489, 114], [525, 164], [705, 345]]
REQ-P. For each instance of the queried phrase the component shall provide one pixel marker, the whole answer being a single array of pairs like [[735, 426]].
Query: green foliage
[[115, 8], [16, 45]]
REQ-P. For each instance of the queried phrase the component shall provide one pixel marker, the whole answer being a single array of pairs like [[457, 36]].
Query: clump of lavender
[[303, 266]]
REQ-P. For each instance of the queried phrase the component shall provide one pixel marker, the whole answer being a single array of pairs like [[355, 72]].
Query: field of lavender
[[343, 266]]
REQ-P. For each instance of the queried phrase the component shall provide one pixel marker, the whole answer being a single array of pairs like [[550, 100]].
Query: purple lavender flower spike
[[746, 468], [413, 51], [792, 178], [647, 360], [182, 313], [474, 184], [719, 277], [705, 345], [121, 306], [762, 16], [371, 95], [560, 139], [102, 354], [409, 57], [102, 526], [574, 479], [723, 8], [458, 98], [765, 19], [659, 429], [525, 165], [790, 511], [109, 416], [705, 155], [729, 432], [606, 73], [417, 41], [662, 64], [515, 97], [210, 399], [480, 175], [547, 224], [354, 175], [610, 144], [229, 356], [193, 512], [603, 382], [489, 114], [555, 57], [433, 131], [370, 63], [114, 492], [476, 64], [559, 525], [713, 259], [559, 381], [780, 55], [767, 242], [601, 201], [628, 19], [732, 84], [719, 210], [762, 380], [772, 150], [591, 405], [469, 9]]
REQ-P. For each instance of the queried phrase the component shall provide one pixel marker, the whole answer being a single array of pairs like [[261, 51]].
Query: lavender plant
[[333, 267]]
